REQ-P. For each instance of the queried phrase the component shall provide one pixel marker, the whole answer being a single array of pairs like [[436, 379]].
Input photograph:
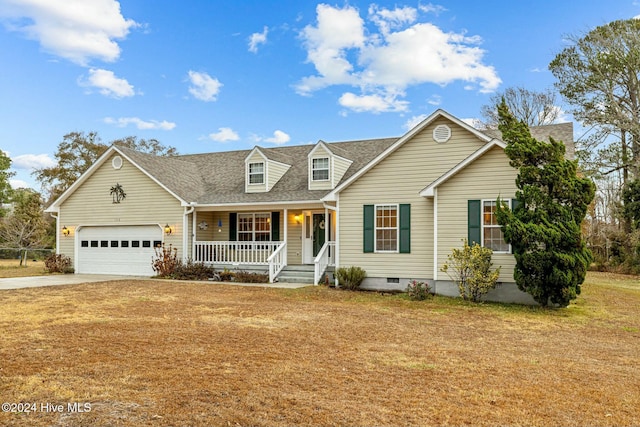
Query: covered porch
[[270, 236]]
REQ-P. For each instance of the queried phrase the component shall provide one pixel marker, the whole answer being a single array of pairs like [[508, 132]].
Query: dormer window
[[256, 173], [320, 169]]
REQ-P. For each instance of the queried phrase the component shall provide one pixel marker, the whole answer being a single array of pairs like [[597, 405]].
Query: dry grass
[[12, 268], [158, 353]]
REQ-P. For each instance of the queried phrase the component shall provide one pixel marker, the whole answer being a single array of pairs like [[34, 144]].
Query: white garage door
[[126, 250]]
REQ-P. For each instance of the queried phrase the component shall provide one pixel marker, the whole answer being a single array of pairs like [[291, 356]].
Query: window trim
[[253, 226], [250, 174], [314, 169], [376, 228], [483, 226]]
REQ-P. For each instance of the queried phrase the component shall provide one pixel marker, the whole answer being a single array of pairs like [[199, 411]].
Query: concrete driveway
[[61, 279], [74, 279]]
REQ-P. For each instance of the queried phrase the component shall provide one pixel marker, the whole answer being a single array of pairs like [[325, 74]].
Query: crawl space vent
[[442, 133]]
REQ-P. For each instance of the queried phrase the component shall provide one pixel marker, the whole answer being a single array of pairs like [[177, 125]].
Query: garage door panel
[[126, 250]]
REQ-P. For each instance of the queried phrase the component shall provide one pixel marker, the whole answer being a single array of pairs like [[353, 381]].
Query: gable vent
[[442, 133]]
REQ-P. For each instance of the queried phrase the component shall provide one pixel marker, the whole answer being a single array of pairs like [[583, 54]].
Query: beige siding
[[398, 179], [488, 177], [145, 203], [256, 157], [294, 238], [340, 167], [276, 171], [319, 153]]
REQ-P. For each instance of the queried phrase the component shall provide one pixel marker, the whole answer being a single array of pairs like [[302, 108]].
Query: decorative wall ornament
[[118, 194]]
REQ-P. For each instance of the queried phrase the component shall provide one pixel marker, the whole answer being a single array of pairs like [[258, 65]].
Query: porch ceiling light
[[65, 231], [167, 229]]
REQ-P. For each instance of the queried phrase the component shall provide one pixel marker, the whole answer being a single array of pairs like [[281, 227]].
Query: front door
[[314, 236]]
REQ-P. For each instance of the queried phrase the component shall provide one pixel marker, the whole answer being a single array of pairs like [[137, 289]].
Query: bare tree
[[534, 108]]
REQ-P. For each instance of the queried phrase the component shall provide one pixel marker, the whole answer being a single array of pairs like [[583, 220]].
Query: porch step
[[298, 274]]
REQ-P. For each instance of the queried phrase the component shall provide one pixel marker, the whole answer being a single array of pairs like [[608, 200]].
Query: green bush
[[418, 291], [58, 263], [350, 278], [470, 268], [193, 271]]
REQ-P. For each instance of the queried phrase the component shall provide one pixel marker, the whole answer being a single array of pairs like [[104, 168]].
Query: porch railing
[[249, 253], [277, 261], [325, 258]]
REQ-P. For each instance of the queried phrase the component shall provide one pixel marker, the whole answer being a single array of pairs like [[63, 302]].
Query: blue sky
[[204, 75]]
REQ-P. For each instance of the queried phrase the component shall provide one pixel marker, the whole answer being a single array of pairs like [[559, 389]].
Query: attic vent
[[442, 133], [116, 162]]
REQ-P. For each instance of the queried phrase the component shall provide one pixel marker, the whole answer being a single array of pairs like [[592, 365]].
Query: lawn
[[12, 268], [161, 353]]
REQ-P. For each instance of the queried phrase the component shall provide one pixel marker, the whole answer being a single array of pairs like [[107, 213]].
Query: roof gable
[[401, 141], [132, 157], [429, 191]]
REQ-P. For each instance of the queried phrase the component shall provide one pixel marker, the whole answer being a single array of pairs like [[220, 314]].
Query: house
[[394, 206]]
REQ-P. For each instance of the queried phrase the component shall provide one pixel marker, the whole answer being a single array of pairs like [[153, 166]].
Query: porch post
[[286, 229], [193, 234]]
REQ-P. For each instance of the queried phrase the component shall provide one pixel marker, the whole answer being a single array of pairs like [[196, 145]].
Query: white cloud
[[77, 30], [107, 83], [18, 183], [279, 138], [373, 103], [257, 39], [434, 100], [32, 161], [436, 9], [224, 135], [387, 20], [414, 121], [203, 86], [326, 44], [140, 124], [383, 64]]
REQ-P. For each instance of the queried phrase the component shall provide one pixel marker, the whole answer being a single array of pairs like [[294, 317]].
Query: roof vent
[[116, 162], [442, 133]]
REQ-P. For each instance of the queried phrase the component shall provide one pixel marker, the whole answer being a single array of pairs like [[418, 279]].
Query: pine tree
[[544, 226]]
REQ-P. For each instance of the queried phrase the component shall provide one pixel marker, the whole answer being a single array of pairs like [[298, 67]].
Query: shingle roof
[[218, 178], [559, 131]]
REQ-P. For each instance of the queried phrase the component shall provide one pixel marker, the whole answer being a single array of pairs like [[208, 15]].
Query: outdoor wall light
[[65, 231], [298, 218], [167, 229]]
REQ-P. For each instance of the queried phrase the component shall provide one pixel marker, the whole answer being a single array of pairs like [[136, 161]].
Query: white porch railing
[[277, 261], [325, 258], [249, 253]]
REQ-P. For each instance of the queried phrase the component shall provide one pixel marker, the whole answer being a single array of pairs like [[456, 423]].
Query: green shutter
[[474, 221], [233, 226], [275, 226], [368, 228], [515, 203], [405, 229]]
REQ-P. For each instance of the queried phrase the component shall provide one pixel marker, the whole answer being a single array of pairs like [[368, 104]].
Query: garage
[[123, 250]]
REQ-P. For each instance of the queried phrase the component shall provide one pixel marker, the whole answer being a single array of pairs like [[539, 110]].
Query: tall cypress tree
[[544, 226]]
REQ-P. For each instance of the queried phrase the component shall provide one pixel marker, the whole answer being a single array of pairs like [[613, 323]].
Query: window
[[320, 169], [386, 228], [492, 236], [254, 227], [124, 243], [256, 173], [114, 243]]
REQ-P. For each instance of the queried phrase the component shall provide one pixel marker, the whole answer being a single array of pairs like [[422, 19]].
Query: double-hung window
[[254, 227], [492, 236], [320, 169], [386, 228], [256, 173]]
